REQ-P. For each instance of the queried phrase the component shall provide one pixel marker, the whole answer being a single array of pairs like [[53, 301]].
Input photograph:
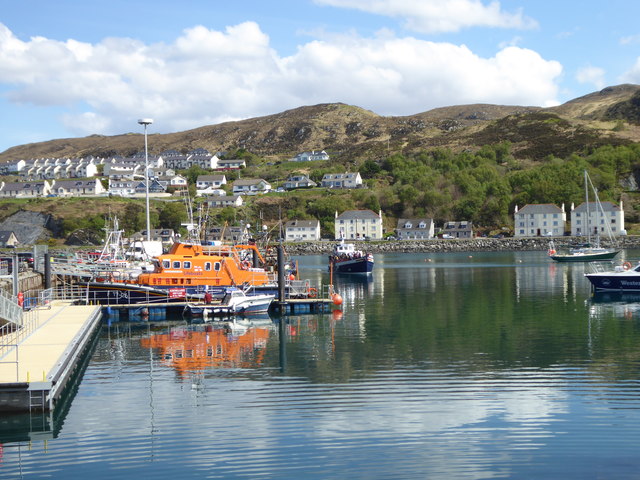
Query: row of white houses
[[367, 225], [86, 167], [546, 219]]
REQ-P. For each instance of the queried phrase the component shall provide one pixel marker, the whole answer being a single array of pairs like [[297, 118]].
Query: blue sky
[[72, 69]]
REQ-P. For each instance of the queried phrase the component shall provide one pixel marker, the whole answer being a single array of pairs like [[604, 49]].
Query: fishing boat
[[346, 259], [591, 250], [187, 272], [621, 278], [234, 302]]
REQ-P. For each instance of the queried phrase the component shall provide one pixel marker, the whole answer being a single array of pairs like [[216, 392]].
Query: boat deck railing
[[602, 267]]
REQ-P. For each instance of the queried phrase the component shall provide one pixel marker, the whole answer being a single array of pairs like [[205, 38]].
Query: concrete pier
[[35, 366]]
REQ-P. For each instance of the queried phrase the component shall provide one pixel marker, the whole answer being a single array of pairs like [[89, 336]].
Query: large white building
[[358, 225], [302, 230], [600, 221], [539, 219]]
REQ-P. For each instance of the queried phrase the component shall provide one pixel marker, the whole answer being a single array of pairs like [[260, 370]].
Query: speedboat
[[234, 302], [622, 278]]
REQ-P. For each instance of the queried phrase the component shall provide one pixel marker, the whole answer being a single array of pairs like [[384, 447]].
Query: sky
[[73, 69]]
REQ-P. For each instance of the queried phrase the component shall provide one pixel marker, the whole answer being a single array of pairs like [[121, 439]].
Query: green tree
[[172, 215]]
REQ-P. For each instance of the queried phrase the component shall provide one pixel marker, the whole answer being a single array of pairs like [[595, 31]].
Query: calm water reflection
[[481, 365]]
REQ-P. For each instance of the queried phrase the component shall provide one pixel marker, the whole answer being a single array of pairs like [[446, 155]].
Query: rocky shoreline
[[453, 245]]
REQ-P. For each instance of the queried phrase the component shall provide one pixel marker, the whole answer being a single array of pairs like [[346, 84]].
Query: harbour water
[[453, 366]]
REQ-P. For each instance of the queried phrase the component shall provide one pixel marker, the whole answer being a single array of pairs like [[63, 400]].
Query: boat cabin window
[[176, 264], [186, 265], [166, 264], [207, 266], [217, 266]]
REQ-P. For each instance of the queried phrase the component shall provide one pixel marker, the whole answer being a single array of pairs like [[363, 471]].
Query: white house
[[342, 180], [25, 189], [415, 229], [231, 164], [228, 234], [302, 230], [251, 186], [8, 239], [311, 156], [463, 229], [225, 201], [177, 181], [12, 167], [539, 219], [599, 221], [204, 182], [358, 224], [70, 188], [123, 188], [299, 181]]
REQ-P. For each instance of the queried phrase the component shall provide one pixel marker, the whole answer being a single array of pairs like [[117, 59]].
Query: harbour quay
[[439, 245], [39, 357]]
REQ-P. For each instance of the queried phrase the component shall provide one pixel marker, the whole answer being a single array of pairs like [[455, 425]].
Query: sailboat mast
[[586, 197]]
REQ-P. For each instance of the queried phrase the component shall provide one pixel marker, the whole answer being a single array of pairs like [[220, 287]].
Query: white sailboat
[[587, 252]]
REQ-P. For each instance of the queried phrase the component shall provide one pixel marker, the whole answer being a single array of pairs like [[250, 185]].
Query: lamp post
[[145, 122]]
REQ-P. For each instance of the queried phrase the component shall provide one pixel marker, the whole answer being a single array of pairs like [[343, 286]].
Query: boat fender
[[626, 265]]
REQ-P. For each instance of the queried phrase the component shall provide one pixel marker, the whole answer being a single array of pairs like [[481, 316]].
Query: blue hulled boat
[[346, 259]]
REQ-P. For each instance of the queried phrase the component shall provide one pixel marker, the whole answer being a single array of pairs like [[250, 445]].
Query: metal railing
[[11, 335], [10, 310]]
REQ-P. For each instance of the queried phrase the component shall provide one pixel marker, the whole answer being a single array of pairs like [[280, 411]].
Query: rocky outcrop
[[29, 227]]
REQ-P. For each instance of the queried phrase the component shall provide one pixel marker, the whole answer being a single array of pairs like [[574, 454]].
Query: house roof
[[5, 235], [339, 176], [358, 214], [415, 222], [211, 178], [249, 181], [302, 224], [533, 208], [593, 207], [19, 186], [75, 183], [462, 225], [223, 198]]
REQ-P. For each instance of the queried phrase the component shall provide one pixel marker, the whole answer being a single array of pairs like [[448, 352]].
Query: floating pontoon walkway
[[35, 364]]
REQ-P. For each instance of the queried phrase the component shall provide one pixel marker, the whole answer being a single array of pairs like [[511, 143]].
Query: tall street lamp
[[145, 122]]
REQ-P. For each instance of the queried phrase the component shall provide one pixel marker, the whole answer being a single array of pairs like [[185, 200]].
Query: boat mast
[[586, 196]]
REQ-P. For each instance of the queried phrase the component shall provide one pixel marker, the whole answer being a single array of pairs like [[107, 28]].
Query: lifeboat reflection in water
[[199, 347]]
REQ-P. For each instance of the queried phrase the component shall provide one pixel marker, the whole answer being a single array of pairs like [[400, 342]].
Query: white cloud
[[632, 75], [630, 40], [206, 77], [438, 16], [592, 75]]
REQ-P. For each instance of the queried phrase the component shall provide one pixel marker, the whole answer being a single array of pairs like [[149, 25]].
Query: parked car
[[26, 257]]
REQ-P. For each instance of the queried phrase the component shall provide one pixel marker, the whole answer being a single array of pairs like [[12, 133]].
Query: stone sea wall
[[454, 245]]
